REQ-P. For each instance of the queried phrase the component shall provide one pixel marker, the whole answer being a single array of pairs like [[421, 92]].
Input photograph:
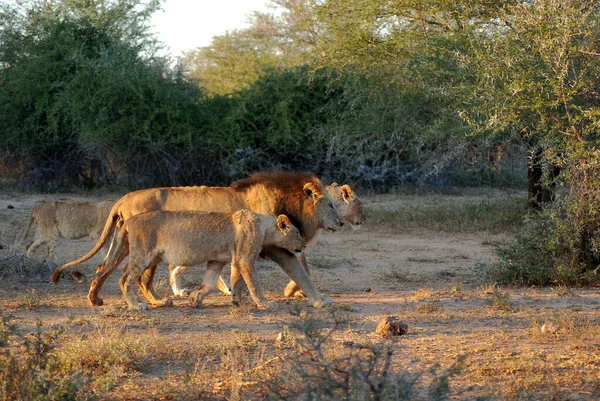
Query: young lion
[[346, 202], [191, 238], [66, 219]]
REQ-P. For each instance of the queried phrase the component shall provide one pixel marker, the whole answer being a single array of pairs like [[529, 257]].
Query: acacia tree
[[537, 78], [516, 71], [234, 61]]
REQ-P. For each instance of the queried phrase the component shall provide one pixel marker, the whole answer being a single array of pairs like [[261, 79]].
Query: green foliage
[[528, 259], [537, 68], [236, 60], [83, 103], [561, 244], [271, 125]]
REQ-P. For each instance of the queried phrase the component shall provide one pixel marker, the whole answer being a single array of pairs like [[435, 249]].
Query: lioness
[[300, 196], [191, 238], [346, 202], [66, 219]]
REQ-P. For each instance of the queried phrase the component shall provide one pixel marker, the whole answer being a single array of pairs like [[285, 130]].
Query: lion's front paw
[[322, 302], [164, 302], [193, 300]]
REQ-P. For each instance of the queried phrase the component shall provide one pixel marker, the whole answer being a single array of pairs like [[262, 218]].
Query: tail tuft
[[55, 277]]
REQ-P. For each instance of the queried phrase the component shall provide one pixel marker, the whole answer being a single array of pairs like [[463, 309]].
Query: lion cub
[[189, 238]]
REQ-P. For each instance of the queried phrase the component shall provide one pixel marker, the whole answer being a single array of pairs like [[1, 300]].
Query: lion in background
[[67, 219], [350, 209], [300, 196], [192, 238]]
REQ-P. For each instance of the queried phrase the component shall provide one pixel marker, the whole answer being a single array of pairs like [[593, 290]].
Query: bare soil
[[429, 280]]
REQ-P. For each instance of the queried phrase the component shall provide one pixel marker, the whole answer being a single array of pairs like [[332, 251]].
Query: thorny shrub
[[559, 245]]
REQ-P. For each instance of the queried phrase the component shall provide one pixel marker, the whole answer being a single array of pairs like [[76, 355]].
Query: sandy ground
[[429, 280]]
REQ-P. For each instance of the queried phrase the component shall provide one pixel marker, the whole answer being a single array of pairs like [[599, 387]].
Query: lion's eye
[[331, 206]]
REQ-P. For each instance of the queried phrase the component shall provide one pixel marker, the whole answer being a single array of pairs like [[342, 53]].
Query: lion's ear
[[283, 222], [334, 184], [347, 193], [311, 189]]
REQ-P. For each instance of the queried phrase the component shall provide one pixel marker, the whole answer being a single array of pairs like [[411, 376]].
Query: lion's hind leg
[[111, 262], [145, 282], [175, 280], [38, 240], [132, 273], [209, 284]]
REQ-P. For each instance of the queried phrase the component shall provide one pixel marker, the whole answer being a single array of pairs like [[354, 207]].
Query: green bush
[[560, 245]]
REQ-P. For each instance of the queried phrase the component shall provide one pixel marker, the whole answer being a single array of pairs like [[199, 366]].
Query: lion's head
[[347, 203], [286, 235], [300, 196]]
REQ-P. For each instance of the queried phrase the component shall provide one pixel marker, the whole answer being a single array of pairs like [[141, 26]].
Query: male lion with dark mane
[[300, 196], [192, 238], [349, 207]]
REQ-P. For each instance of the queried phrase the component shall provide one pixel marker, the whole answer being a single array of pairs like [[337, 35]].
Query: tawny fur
[[191, 238], [347, 203], [66, 219], [300, 196], [349, 207]]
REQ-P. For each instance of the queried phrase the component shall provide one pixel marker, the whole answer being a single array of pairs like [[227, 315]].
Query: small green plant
[[499, 300], [429, 307], [106, 350]]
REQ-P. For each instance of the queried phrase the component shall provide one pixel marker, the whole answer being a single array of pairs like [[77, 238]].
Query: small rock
[[10, 207], [280, 337], [368, 289], [390, 326]]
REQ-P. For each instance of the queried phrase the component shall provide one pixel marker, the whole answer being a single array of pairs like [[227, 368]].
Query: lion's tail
[[29, 224], [109, 228]]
